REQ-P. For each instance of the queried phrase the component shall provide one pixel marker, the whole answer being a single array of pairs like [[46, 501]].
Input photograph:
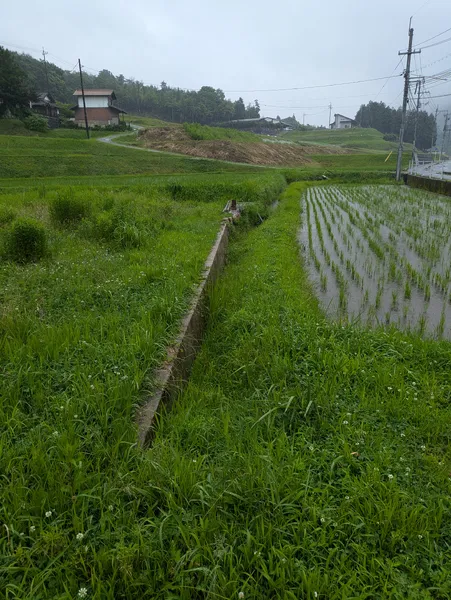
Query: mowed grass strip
[[22, 156], [82, 331], [305, 459]]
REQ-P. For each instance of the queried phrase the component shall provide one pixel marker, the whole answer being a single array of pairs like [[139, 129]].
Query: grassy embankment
[[305, 459], [22, 156], [24, 159], [82, 331], [355, 138]]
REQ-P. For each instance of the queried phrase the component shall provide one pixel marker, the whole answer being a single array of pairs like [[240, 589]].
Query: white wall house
[[100, 109], [342, 122]]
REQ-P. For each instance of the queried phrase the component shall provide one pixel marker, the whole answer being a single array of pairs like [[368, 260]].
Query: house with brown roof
[[100, 108]]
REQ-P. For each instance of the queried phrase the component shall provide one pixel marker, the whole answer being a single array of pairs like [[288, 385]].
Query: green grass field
[[358, 138], [305, 459], [22, 156], [16, 127]]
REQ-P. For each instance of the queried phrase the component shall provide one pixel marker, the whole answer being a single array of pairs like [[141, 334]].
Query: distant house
[[342, 122], [99, 107], [45, 105]]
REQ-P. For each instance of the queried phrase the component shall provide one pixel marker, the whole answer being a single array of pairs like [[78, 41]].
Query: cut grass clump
[[7, 215], [120, 227], [26, 241], [67, 209]]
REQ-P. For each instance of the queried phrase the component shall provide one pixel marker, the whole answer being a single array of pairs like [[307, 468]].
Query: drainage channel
[[174, 373]]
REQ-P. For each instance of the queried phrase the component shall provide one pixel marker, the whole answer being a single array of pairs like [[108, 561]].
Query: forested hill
[[387, 120], [208, 105]]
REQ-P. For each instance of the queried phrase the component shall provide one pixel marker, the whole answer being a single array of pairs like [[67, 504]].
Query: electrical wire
[[311, 87], [432, 38]]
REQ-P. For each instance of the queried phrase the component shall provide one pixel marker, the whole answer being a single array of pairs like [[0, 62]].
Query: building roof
[[347, 118], [44, 99], [96, 93]]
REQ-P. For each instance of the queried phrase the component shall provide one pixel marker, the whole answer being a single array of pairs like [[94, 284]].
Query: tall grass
[[205, 132]]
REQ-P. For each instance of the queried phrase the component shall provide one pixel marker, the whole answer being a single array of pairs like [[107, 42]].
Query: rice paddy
[[380, 255]]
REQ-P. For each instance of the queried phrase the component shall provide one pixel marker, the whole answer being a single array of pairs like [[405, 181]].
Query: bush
[[36, 123], [6, 215], [119, 227], [66, 209], [390, 137], [26, 241]]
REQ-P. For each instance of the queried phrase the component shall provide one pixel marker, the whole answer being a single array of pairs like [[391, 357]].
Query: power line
[[436, 44], [311, 87], [433, 38]]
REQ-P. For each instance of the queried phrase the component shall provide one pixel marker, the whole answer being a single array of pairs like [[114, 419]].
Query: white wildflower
[[390, 476], [241, 595], [79, 537], [48, 513], [32, 529], [82, 592]]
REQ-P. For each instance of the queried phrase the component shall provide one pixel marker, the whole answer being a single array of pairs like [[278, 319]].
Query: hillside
[[180, 140], [358, 138]]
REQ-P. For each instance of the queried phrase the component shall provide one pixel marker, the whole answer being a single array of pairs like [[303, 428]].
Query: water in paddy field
[[380, 255]]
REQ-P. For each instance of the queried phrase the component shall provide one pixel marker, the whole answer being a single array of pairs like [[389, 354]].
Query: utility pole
[[303, 118], [418, 88], [432, 140], [445, 129], [405, 99], [330, 112], [44, 53], [84, 101]]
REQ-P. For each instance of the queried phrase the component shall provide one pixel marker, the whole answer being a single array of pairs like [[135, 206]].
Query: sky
[[246, 47]]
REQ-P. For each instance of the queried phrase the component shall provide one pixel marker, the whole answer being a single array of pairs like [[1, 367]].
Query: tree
[[239, 109], [15, 91]]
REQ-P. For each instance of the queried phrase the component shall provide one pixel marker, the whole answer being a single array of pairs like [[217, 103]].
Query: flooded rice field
[[380, 255]]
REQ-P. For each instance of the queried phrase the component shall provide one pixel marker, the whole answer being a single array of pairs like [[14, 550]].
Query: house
[[99, 108], [342, 122], [45, 106]]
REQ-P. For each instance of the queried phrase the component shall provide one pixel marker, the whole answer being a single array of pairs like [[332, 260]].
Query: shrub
[[7, 215], [36, 123], [390, 137], [119, 227], [66, 209], [26, 241]]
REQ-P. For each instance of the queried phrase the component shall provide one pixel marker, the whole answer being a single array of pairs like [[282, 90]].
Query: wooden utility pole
[[45, 69], [405, 100], [445, 129], [418, 88], [436, 131], [84, 101], [330, 113]]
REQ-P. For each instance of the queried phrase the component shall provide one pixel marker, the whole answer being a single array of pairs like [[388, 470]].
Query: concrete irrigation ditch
[[174, 373]]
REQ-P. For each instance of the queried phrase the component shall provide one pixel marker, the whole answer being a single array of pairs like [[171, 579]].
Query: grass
[[355, 138], [204, 132], [22, 156], [148, 121], [16, 127], [305, 459], [82, 332]]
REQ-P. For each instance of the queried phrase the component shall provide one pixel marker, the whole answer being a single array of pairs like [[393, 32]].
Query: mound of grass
[[25, 241], [204, 132], [66, 209]]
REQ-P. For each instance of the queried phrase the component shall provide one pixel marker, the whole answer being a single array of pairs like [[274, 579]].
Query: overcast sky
[[236, 45]]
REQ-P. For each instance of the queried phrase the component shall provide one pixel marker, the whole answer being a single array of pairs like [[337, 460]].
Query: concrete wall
[[437, 186], [174, 374]]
